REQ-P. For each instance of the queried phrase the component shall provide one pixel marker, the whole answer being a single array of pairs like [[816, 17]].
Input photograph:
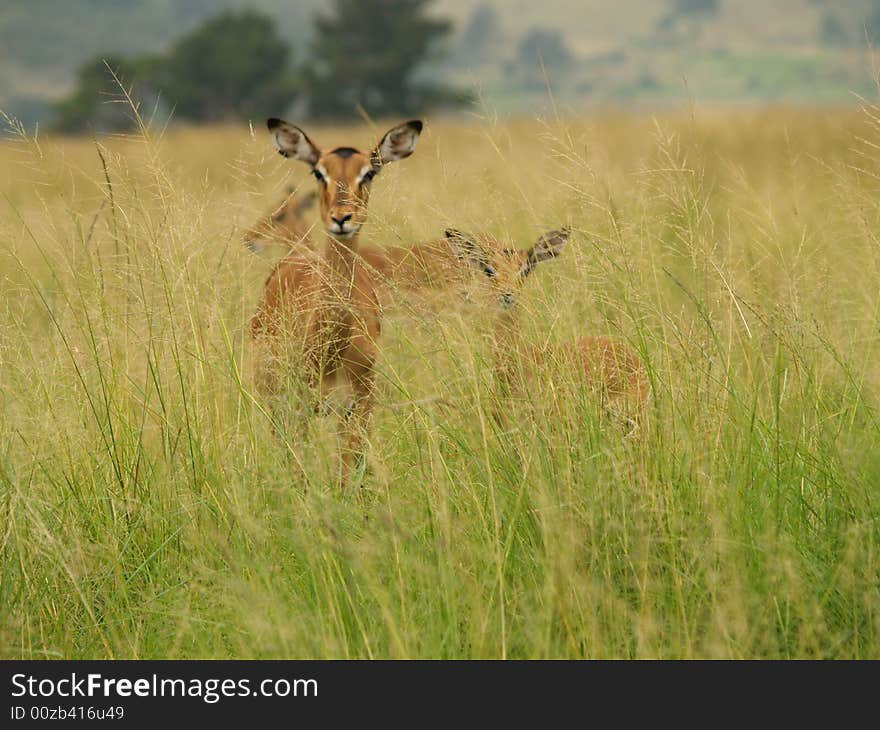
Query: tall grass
[[147, 510]]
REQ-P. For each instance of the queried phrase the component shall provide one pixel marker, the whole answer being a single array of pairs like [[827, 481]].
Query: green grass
[[147, 510]]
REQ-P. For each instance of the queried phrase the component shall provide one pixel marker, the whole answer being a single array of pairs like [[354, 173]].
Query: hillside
[[633, 51]]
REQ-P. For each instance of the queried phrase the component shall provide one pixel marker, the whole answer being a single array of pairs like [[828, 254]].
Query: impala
[[319, 318], [285, 225], [605, 365]]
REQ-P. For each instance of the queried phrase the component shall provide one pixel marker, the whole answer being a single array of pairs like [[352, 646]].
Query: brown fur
[[319, 318], [607, 365], [429, 265], [285, 225]]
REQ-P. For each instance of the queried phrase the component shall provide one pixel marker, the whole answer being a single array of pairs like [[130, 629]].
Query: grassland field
[[148, 511]]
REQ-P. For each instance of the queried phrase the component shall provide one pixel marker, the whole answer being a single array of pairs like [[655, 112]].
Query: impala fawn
[[607, 366], [285, 225], [319, 318]]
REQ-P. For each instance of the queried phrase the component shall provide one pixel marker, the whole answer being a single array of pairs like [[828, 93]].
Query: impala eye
[[319, 176], [368, 176]]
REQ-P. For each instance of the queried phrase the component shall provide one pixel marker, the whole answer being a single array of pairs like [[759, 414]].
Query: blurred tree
[[696, 7], [539, 49], [368, 53], [692, 12], [833, 31], [545, 46], [96, 104], [480, 35], [235, 66], [872, 22]]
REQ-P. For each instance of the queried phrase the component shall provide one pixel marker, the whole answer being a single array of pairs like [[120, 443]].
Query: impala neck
[[341, 255], [508, 330], [511, 350]]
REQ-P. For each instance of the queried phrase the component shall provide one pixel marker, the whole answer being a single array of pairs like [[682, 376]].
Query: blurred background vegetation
[[213, 60]]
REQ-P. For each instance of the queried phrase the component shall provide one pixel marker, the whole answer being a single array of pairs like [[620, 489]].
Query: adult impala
[[603, 364], [319, 319]]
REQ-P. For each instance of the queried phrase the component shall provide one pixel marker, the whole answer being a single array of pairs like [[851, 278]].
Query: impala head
[[505, 268], [344, 174], [284, 225]]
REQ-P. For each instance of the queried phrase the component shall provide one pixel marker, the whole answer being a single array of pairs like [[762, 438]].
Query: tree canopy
[[365, 53], [91, 105], [543, 45], [480, 36], [235, 66], [368, 53]]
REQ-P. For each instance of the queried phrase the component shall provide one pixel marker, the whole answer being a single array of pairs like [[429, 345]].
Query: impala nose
[[341, 221]]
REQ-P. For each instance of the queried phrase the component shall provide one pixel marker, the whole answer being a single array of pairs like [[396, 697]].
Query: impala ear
[[547, 247], [398, 143], [304, 202], [280, 213], [292, 141], [469, 251]]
